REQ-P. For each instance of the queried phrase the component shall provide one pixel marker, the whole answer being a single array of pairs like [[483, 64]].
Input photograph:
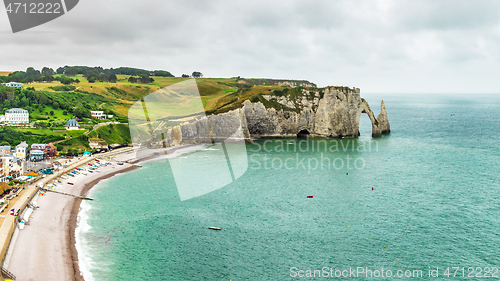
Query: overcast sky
[[379, 46]]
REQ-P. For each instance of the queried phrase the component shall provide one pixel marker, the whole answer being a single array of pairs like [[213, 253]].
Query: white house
[[16, 116], [71, 125], [98, 114], [13, 85], [21, 150]]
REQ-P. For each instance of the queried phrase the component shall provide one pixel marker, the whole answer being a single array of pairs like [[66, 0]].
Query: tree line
[[195, 74], [85, 70], [144, 79], [92, 74]]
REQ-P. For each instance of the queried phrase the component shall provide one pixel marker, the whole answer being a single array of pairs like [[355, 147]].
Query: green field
[[63, 133], [168, 106], [113, 134], [217, 94]]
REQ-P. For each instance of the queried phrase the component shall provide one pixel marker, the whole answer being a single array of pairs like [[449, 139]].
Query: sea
[[422, 202]]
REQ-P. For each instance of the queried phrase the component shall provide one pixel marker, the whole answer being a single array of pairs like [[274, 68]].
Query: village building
[[95, 143], [72, 124], [98, 115], [16, 116], [21, 150], [5, 150], [37, 152], [13, 85], [51, 150]]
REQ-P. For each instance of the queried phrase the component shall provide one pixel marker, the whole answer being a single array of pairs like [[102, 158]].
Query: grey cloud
[[377, 45], [442, 15]]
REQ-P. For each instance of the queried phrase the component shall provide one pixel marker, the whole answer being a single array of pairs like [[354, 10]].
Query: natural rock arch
[[380, 125]]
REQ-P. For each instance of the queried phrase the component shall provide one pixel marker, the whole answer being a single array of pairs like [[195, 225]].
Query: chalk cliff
[[383, 121], [328, 112]]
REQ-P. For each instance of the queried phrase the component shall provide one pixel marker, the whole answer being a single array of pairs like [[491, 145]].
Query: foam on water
[[83, 237], [84, 256]]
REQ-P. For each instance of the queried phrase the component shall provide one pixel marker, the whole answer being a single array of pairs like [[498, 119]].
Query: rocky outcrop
[[329, 112], [227, 127], [383, 121]]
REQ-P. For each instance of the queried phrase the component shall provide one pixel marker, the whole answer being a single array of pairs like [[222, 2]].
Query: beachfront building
[[51, 150], [37, 155], [21, 150], [16, 116], [38, 146], [5, 150], [98, 115], [38, 152], [72, 124], [13, 85], [12, 167]]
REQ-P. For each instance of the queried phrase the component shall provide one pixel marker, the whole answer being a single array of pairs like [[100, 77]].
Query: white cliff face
[[329, 112], [231, 125], [335, 114]]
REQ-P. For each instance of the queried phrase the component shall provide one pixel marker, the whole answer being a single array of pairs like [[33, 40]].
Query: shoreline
[[73, 220], [47, 244]]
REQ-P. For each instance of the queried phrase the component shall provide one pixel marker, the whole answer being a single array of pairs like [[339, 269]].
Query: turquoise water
[[435, 203]]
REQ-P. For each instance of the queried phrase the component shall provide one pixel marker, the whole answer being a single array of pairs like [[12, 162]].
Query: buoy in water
[[372, 188]]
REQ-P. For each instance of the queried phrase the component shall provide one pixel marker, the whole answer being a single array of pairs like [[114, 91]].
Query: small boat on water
[[214, 228], [310, 196]]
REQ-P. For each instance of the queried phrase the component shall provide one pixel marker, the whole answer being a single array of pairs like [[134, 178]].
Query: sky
[[379, 46]]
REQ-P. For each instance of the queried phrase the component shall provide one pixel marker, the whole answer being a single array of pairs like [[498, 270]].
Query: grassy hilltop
[[217, 94], [52, 103]]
